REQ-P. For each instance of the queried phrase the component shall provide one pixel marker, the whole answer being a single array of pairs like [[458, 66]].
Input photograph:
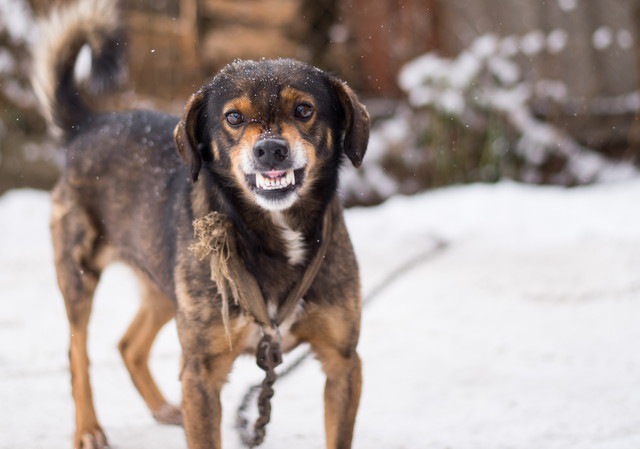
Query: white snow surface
[[523, 333]]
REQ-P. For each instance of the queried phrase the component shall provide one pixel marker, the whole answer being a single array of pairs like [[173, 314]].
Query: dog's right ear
[[187, 136]]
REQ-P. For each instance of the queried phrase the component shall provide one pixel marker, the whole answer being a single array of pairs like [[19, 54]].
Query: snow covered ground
[[522, 334]]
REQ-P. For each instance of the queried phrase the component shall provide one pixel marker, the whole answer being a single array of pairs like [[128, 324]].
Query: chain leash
[[268, 357]]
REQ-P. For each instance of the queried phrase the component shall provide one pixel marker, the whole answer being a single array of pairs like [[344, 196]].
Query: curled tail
[[57, 77]]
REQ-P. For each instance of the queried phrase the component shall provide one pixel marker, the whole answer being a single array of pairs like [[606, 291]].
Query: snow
[[509, 46], [522, 333], [7, 63], [17, 20], [625, 39], [567, 5], [553, 89], [602, 37], [557, 41], [533, 42], [484, 86]]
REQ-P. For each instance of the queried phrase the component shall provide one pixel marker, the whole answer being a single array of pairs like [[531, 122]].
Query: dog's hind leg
[[74, 242], [155, 311]]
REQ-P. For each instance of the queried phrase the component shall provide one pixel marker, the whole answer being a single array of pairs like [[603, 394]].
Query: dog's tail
[[79, 50]]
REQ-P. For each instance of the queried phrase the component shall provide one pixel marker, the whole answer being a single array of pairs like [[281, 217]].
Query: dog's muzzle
[[278, 173], [273, 154]]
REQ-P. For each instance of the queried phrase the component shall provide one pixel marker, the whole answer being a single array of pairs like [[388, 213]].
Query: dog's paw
[[168, 414], [91, 439]]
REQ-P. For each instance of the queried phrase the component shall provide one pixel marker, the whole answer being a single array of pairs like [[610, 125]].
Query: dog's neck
[[293, 232]]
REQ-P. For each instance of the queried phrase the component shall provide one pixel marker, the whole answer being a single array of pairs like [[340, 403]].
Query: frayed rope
[[213, 234]]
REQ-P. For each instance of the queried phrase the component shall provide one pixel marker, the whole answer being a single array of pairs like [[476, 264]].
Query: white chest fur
[[293, 239]]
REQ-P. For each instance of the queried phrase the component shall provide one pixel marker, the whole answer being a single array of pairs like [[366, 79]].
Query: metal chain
[[269, 356]]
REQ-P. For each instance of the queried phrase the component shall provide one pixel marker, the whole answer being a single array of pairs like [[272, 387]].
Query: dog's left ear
[[356, 128], [187, 137]]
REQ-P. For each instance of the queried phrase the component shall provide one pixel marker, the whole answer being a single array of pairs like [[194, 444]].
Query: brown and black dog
[[262, 143]]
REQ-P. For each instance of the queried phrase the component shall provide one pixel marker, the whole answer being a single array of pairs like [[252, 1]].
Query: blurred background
[[459, 90]]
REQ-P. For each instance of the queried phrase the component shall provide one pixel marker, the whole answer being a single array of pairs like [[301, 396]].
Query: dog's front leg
[[341, 397], [202, 381], [333, 335], [207, 360]]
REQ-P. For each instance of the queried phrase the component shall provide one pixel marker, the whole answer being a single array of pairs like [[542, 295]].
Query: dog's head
[[272, 128]]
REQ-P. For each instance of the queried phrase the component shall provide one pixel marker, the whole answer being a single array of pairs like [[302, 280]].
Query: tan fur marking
[[215, 149], [87, 426], [329, 137], [244, 105], [241, 154], [290, 98], [58, 210], [297, 143]]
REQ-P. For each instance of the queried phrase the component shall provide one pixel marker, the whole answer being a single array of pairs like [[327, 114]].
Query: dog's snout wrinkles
[[271, 151]]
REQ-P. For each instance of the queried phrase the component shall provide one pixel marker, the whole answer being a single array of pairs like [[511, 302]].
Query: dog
[[262, 144]]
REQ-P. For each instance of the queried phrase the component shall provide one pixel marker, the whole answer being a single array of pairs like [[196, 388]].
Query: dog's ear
[[188, 137], [356, 122]]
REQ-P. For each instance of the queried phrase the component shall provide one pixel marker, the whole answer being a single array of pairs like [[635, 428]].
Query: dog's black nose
[[271, 151]]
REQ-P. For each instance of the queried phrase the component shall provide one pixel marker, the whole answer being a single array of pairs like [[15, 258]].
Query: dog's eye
[[234, 118], [303, 111]]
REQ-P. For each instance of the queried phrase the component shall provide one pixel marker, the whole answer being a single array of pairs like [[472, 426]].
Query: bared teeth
[[281, 182]]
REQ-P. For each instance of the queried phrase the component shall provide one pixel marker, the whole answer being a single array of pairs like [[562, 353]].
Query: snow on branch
[[470, 118]]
